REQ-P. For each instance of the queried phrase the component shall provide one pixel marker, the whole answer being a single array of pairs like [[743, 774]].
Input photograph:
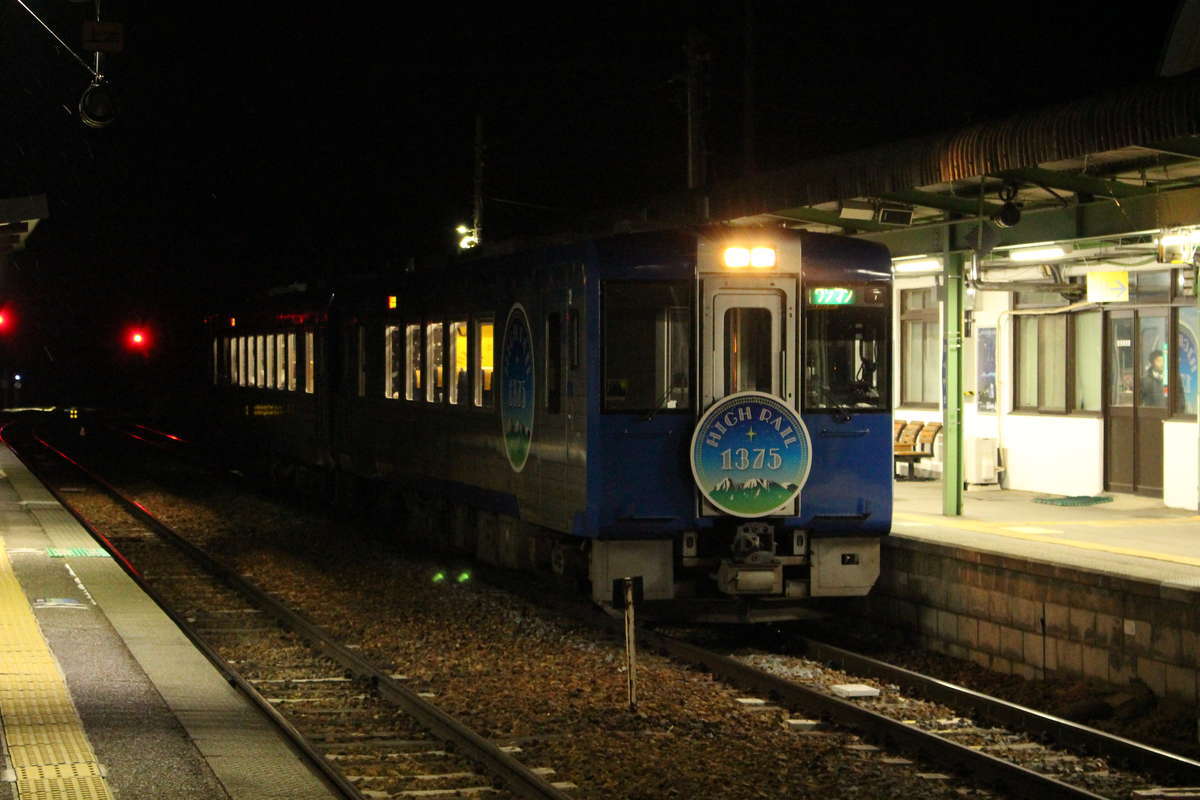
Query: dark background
[[259, 146]]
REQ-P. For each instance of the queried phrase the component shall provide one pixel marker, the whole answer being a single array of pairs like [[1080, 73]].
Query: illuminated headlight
[[762, 257], [737, 257]]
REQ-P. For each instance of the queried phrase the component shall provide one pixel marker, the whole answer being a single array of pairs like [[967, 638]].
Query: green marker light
[[464, 576], [439, 576]]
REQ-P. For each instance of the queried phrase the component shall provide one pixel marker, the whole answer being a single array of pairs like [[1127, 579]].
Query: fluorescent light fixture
[[1036, 253], [856, 209], [916, 264], [762, 257], [1179, 238]]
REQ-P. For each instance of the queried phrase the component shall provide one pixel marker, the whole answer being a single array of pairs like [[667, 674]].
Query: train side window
[[457, 361], [393, 362], [573, 343], [362, 360], [638, 316], [280, 361], [251, 362], [554, 363], [412, 375], [260, 366], [291, 362], [435, 389], [241, 361], [216, 361], [269, 368], [485, 328], [310, 363]]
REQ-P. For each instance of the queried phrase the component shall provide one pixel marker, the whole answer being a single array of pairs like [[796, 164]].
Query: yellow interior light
[[762, 257], [391, 301], [737, 257]]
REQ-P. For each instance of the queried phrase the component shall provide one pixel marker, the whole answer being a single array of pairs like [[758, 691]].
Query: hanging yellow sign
[[1108, 287]]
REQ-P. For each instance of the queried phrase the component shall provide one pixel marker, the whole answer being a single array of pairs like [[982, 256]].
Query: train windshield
[[647, 346], [846, 358]]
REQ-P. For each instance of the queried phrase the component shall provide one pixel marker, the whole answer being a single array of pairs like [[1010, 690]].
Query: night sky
[[262, 143]]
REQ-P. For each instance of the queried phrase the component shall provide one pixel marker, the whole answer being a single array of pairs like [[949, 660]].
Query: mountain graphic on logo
[[755, 493]]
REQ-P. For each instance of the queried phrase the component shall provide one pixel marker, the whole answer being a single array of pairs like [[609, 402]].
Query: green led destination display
[[831, 296]]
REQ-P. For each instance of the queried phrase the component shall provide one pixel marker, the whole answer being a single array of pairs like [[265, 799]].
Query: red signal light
[[138, 339]]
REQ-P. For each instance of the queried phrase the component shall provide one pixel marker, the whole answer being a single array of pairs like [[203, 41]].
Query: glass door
[[1137, 400], [749, 343]]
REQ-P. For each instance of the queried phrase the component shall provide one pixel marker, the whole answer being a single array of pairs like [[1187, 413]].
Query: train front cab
[[809, 332]]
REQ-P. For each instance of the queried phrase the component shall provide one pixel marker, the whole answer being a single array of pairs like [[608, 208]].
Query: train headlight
[[762, 257], [737, 257], [759, 257]]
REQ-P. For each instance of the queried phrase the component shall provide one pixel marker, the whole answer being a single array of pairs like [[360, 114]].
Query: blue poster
[[750, 454], [1188, 336], [517, 387], [985, 389]]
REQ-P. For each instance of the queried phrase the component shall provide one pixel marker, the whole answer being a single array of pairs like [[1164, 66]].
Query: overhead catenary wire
[[58, 39]]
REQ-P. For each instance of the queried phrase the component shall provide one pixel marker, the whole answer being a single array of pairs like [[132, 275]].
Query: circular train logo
[[750, 454], [517, 387]]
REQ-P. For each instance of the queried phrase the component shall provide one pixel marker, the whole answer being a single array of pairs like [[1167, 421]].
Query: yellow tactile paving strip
[[46, 745], [1009, 530]]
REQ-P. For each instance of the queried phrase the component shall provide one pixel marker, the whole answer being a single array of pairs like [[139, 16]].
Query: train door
[[1137, 400], [748, 343], [750, 340], [555, 433]]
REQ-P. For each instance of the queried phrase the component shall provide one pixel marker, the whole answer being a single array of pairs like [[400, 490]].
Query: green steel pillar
[[952, 385]]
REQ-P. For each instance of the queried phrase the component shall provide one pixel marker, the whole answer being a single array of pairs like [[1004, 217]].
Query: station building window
[[310, 362], [457, 361], [484, 360], [412, 374], [1057, 356], [243, 358], [435, 389], [920, 348], [393, 362], [260, 361], [361, 360]]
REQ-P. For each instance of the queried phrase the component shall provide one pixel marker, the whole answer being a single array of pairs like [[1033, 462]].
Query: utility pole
[[477, 219], [697, 166], [748, 159]]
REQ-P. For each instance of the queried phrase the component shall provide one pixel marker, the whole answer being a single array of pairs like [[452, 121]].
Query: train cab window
[[457, 361], [393, 362], [269, 366], [639, 316], [310, 362], [291, 362], [484, 359], [435, 389], [748, 352], [846, 357], [573, 343], [412, 367], [554, 354]]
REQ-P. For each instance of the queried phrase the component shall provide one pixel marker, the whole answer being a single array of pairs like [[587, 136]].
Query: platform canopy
[[1121, 163]]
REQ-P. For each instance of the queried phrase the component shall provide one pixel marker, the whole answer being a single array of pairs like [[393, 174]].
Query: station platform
[[101, 695], [1129, 536], [1109, 591]]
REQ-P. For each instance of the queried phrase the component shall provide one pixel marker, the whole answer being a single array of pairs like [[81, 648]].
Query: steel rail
[[297, 740], [1011, 715], [876, 727], [516, 777]]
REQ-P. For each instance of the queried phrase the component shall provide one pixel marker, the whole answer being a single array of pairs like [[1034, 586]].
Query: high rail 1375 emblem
[[517, 387], [750, 454]]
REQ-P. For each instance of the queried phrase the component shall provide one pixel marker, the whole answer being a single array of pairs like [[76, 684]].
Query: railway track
[[367, 732], [964, 739]]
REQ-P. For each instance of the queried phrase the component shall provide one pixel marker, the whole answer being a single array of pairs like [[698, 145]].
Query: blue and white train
[[708, 409]]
